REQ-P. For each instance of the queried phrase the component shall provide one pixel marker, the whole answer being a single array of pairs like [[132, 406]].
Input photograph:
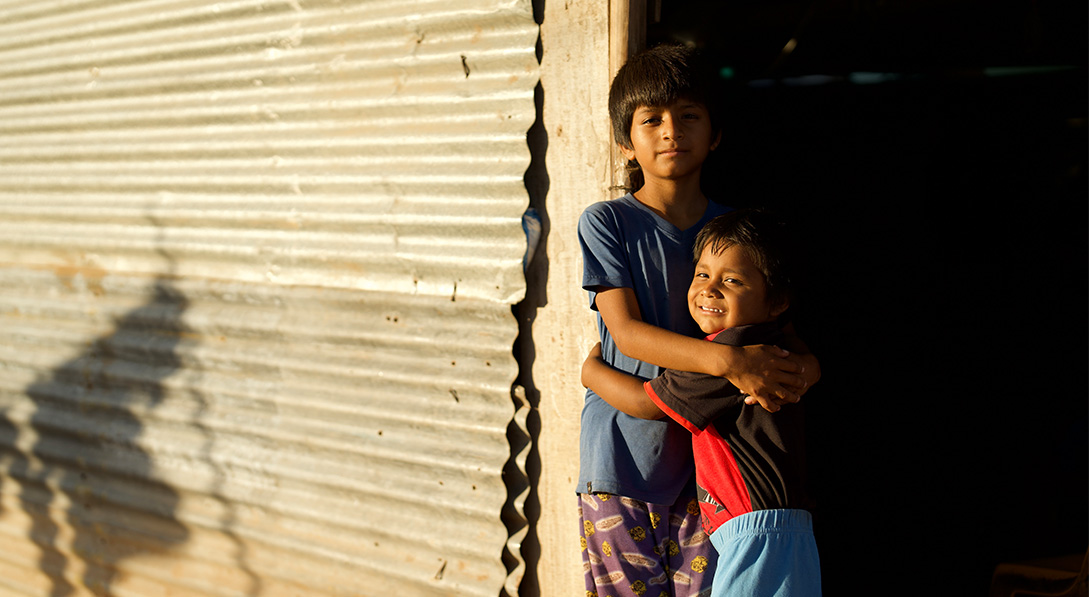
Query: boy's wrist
[[727, 362]]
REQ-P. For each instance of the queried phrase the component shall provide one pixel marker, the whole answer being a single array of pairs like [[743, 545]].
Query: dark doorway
[[934, 155]]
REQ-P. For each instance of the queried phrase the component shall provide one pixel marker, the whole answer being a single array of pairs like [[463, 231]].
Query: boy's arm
[[769, 374], [623, 392]]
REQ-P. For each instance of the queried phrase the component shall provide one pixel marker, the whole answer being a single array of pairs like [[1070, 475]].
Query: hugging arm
[[809, 372], [622, 391], [769, 374]]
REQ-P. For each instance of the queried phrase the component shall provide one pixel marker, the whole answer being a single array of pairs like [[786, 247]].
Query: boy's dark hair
[[766, 242], [657, 76]]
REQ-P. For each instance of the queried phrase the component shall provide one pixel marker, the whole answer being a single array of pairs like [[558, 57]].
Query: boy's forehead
[[680, 103], [730, 257]]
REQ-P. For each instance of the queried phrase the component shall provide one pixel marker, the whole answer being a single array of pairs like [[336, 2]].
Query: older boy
[[749, 462], [639, 518]]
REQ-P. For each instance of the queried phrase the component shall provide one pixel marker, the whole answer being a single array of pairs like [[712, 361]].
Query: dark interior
[[933, 155]]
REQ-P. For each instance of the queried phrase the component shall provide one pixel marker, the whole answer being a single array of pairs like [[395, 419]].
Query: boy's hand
[[769, 375], [809, 374]]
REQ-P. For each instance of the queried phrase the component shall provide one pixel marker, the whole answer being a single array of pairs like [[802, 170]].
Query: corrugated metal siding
[[256, 266]]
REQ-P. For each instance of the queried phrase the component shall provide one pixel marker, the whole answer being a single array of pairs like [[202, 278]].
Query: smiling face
[[728, 290], [670, 142]]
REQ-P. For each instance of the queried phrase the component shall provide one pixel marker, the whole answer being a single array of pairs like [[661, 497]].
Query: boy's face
[[670, 142], [727, 291]]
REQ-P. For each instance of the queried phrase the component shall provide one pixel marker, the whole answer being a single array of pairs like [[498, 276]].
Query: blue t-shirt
[[626, 245]]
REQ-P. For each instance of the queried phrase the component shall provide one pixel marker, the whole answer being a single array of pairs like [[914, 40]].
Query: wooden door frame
[[627, 36]]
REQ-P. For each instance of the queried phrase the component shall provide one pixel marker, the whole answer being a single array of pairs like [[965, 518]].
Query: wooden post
[[627, 36]]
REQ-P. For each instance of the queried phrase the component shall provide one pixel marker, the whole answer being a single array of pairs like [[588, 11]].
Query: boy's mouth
[[673, 149], [712, 310]]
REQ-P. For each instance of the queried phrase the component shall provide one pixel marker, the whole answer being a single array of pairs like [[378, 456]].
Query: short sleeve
[[604, 258], [694, 400]]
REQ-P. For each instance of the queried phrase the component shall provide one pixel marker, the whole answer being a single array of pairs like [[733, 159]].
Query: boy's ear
[[718, 139], [629, 153], [779, 308]]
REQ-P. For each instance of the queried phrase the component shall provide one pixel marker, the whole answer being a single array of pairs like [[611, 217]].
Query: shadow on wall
[[86, 464], [536, 268], [88, 484]]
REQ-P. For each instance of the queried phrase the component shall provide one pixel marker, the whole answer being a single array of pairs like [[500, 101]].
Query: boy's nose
[[671, 131]]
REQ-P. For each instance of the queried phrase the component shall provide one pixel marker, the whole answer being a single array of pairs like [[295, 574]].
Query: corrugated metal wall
[[257, 260]]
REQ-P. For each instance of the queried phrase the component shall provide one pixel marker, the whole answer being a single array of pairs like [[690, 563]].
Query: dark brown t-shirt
[[746, 457]]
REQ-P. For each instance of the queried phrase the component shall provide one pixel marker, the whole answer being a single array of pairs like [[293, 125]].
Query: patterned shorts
[[633, 548]]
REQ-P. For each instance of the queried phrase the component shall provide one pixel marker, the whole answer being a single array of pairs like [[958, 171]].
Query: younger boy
[[749, 462]]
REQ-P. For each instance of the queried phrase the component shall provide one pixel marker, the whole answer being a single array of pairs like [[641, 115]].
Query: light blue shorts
[[767, 553]]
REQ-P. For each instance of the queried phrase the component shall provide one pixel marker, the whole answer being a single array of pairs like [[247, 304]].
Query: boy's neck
[[739, 325], [680, 204]]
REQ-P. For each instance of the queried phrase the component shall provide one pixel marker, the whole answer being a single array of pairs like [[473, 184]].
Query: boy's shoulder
[[626, 215], [769, 332], [613, 215], [612, 207]]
